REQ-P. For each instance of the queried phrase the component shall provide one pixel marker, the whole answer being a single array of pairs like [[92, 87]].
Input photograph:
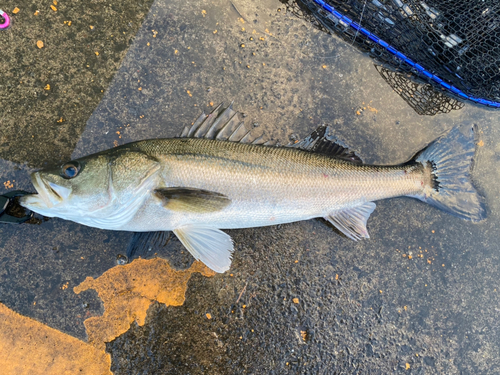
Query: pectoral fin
[[191, 200], [210, 245], [143, 243], [352, 221]]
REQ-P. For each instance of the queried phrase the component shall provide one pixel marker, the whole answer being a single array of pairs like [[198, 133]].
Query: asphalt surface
[[420, 297]]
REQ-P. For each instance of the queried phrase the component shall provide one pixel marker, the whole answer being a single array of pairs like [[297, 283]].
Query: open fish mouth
[[41, 189], [49, 194]]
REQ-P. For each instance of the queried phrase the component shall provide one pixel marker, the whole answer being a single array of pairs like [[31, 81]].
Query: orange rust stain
[[128, 291], [30, 347]]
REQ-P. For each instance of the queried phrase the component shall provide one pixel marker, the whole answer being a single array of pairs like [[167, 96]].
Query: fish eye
[[70, 170]]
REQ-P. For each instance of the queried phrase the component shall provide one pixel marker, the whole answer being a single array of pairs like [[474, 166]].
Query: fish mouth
[[51, 194]]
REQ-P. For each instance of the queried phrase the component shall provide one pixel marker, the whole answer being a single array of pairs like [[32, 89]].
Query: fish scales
[[272, 185]]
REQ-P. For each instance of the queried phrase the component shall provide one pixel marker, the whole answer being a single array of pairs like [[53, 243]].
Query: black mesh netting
[[422, 97], [455, 40]]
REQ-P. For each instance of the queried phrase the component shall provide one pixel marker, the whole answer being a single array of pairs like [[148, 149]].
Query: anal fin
[[210, 245], [352, 221]]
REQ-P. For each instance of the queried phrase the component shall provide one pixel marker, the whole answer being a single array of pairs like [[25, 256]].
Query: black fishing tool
[[9, 206]]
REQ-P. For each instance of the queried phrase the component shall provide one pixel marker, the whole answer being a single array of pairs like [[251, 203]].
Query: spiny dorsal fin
[[352, 221], [223, 124], [323, 142], [191, 200]]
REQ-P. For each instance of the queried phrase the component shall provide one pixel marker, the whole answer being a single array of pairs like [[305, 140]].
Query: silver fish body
[[265, 185], [199, 184]]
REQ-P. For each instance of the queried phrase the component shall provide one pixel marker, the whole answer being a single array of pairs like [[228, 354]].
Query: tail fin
[[450, 159]]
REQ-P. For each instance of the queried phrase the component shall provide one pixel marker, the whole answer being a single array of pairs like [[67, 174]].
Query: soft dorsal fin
[[323, 142], [352, 221], [223, 124]]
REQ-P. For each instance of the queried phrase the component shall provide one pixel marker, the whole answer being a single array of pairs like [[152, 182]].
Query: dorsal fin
[[323, 142], [223, 124]]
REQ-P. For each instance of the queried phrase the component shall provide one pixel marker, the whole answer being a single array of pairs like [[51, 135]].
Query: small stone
[[121, 260]]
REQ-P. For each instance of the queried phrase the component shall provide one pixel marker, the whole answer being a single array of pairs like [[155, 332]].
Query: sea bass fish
[[216, 176]]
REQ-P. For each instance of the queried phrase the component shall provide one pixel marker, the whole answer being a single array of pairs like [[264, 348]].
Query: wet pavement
[[419, 297]]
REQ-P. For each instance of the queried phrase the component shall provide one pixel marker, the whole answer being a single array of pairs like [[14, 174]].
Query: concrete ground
[[421, 296]]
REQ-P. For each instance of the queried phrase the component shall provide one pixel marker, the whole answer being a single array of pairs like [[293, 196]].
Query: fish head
[[102, 190], [76, 187]]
